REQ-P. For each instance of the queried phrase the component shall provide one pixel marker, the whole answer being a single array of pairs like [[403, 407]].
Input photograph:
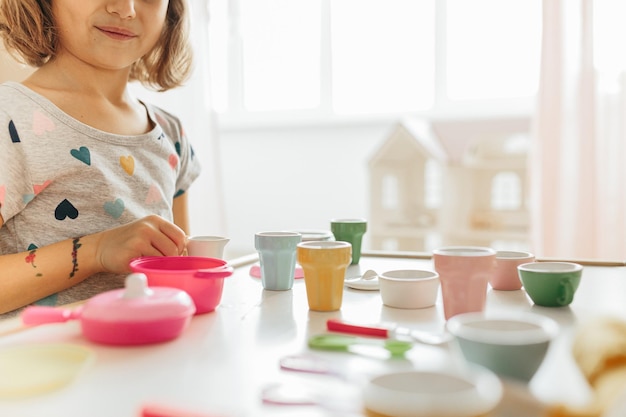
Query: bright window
[[274, 59], [383, 57], [494, 54], [281, 54]]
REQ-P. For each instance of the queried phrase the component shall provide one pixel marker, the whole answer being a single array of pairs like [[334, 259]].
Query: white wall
[[10, 69], [295, 178]]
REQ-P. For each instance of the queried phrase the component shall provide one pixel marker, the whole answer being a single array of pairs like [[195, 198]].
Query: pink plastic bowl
[[202, 278]]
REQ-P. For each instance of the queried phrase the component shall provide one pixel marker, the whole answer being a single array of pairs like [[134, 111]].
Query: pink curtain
[[578, 154]]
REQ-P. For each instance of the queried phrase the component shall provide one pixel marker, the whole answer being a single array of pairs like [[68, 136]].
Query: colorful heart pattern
[[49, 301], [173, 160], [82, 154], [154, 195], [42, 124], [15, 138], [114, 208], [37, 188], [128, 164], [64, 210]]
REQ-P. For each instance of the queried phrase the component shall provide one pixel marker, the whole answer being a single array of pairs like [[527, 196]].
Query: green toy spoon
[[344, 343]]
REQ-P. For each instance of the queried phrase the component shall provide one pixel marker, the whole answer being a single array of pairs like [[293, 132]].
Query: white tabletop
[[224, 359]]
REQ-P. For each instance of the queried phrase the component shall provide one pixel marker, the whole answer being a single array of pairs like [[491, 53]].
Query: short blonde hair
[[29, 32]]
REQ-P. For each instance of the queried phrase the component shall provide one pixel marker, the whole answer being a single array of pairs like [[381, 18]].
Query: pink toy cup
[[505, 277], [464, 272]]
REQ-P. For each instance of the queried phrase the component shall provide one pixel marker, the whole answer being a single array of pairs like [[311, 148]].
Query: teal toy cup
[[550, 284], [277, 258], [351, 231]]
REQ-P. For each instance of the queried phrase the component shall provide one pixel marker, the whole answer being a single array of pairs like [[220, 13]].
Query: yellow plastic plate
[[37, 369]]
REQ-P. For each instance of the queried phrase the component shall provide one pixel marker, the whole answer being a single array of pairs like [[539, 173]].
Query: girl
[[90, 177]]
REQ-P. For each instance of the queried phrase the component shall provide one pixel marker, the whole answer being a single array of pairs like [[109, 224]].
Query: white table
[[224, 359]]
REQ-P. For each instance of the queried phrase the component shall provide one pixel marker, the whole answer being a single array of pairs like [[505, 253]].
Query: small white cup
[[409, 288], [207, 246]]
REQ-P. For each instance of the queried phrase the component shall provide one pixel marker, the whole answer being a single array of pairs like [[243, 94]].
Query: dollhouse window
[[389, 190], [432, 184], [506, 191]]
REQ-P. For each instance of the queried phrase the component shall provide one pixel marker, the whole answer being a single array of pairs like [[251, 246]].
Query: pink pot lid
[[139, 303]]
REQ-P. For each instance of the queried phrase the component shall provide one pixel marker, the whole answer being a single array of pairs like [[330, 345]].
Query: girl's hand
[[150, 236]]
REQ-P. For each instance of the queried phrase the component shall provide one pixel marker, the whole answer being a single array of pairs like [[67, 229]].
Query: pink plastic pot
[[202, 278], [135, 315]]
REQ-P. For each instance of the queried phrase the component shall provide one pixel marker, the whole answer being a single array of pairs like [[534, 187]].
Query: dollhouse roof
[[459, 142], [410, 139], [476, 141]]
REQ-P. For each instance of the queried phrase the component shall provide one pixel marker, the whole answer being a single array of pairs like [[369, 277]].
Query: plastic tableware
[[464, 273], [207, 246], [135, 315], [202, 278], [351, 231], [409, 288], [346, 343], [425, 393], [506, 277], [325, 264], [277, 258], [309, 235], [255, 272], [305, 394], [511, 345], [551, 284], [388, 331], [37, 369], [161, 410], [308, 364], [337, 400], [367, 282]]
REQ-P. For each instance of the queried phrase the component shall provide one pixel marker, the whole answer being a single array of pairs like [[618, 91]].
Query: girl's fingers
[[176, 235]]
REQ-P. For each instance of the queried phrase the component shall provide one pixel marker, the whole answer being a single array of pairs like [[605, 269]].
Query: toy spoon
[[347, 343]]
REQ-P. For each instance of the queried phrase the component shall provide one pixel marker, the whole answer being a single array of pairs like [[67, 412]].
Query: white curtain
[[578, 156], [192, 104]]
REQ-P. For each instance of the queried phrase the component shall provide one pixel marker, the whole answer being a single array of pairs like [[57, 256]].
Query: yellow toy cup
[[324, 264]]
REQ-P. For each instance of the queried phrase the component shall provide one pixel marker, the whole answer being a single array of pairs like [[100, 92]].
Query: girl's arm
[[29, 276], [181, 212]]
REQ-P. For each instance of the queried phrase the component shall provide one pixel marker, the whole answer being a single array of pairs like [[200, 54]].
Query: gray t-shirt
[[62, 179]]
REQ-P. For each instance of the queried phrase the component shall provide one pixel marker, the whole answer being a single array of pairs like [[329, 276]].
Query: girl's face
[[108, 34]]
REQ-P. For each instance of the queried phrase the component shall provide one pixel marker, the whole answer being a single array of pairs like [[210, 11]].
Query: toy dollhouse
[[436, 183]]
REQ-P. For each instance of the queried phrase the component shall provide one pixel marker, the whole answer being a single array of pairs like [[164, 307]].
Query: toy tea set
[[163, 293]]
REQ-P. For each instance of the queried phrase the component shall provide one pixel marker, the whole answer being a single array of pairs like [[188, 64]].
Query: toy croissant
[[599, 349]]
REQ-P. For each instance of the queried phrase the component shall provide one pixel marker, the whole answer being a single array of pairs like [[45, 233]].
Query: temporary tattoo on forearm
[[75, 245], [30, 259]]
